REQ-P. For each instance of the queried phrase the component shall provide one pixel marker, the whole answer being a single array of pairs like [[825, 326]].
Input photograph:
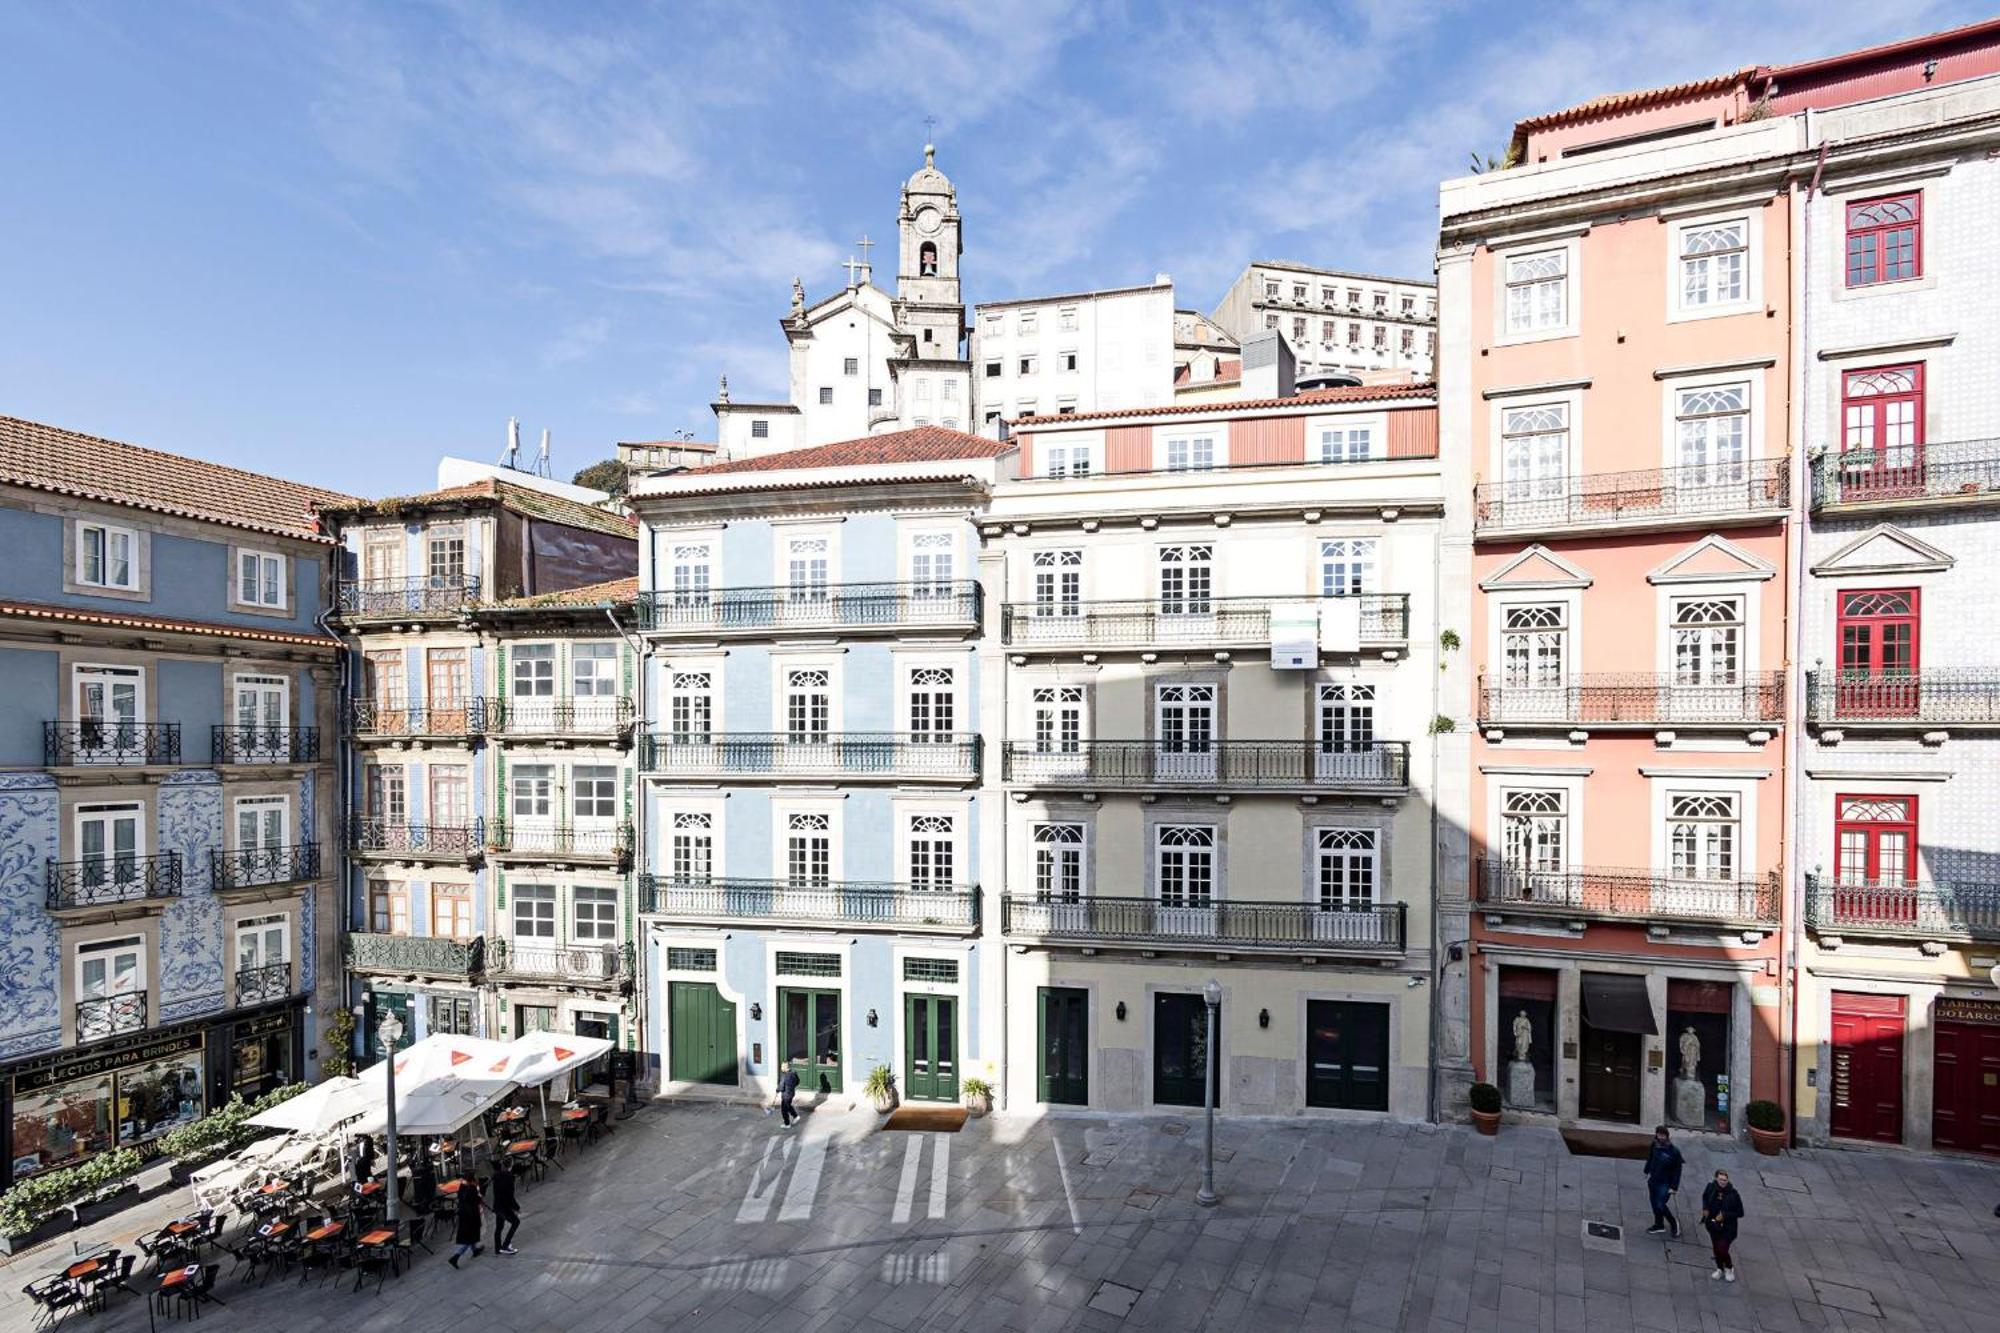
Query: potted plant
[[1485, 1100], [29, 1210], [978, 1096], [880, 1089], [1767, 1126]]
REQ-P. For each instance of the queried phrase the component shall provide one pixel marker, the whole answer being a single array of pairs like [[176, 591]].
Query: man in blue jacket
[[1663, 1178]]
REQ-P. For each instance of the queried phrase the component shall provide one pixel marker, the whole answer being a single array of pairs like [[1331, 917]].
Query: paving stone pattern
[[697, 1216]]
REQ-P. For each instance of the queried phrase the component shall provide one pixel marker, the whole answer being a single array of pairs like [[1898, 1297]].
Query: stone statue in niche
[[1520, 1072], [1524, 1035], [1690, 1054], [1690, 1098]]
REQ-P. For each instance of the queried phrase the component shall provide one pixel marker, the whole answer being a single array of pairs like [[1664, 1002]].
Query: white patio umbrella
[[321, 1107], [543, 1056], [442, 1083]]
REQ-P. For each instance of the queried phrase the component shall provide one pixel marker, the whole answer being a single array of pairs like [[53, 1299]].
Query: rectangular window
[[850, 365], [1348, 869], [933, 701], [1065, 360], [1879, 643], [451, 912], [534, 1018], [874, 398], [1381, 303], [1298, 330], [933, 556], [384, 792], [1715, 264], [594, 913], [1882, 432], [1027, 365], [1876, 840], [683, 959], [808, 705], [937, 971], [691, 707], [445, 559], [110, 705], [1346, 718], [1187, 580], [1409, 341], [791, 964], [451, 795], [808, 850], [451, 1015], [105, 968], [262, 712], [535, 670], [534, 791], [1884, 239], [1185, 864], [534, 911], [1381, 338], [261, 823], [1058, 579], [1298, 291], [1354, 337], [383, 679], [260, 579], [388, 908], [1347, 565], [1029, 321], [1712, 426], [825, 395], [1346, 444], [1702, 836], [109, 843], [1537, 291], [1194, 453], [1534, 451], [1066, 319], [1059, 862], [1068, 460], [105, 556], [691, 574], [932, 851], [593, 670], [593, 792], [1058, 719], [692, 852], [760, 429], [1533, 647], [806, 568], [1326, 330], [1708, 640], [992, 370]]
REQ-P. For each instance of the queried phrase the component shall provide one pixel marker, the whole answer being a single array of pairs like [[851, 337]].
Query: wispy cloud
[[577, 340]]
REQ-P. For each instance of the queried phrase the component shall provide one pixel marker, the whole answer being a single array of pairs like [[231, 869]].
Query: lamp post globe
[[1206, 1197], [391, 1031]]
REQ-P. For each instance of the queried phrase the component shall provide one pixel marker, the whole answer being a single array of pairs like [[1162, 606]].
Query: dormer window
[[927, 259]]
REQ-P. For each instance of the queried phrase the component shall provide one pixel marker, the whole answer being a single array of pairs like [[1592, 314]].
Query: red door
[[1868, 1067], [1878, 654], [1875, 866], [1882, 445], [1966, 1067]]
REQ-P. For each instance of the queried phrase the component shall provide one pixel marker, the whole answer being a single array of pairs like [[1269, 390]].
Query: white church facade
[[864, 360]]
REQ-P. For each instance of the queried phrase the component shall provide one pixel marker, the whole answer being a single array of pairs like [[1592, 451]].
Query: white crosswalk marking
[[940, 1171], [906, 1189], [804, 1188], [763, 1191]]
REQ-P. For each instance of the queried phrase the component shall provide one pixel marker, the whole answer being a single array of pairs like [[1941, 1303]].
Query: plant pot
[[1486, 1122], [979, 1103], [884, 1103], [1769, 1142]]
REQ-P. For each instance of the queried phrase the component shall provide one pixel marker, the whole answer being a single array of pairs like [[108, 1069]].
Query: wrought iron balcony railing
[[1704, 492], [263, 745], [942, 756], [1638, 896], [1219, 924], [1371, 766], [105, 881], [263, 867], [565, 715], [1924, 698], [94, 741], [263, 985], [417, 595], [822, 607], [605, 964], [1951, 470], [1753, 699], [527, 837], [1191, 622], [103, 1016], [415, 955], [1915, 909], [396, 837], [372, 719], [838, 902]]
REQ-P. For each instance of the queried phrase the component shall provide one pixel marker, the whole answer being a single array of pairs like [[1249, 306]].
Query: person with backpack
[[1663, 1181], [1721, 1210]]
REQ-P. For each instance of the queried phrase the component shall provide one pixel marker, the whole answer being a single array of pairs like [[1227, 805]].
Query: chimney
[[1267, 366]]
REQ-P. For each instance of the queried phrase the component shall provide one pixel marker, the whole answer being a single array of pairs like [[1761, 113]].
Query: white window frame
[[1158, 846], [260, 928], [606, 772], [260, 805], [541, 895], [691, 575], [907, 668], [1077, 850], [106, 532], [1571, 402], [1360, 553], [542, 772], [589, 653], [110, 949], [1664, 786], [1348, 439], [781, 831], [782, 667], [82, 673], [672, 830], [263, 688], [1343, 843], [1674, 384], [1067, 455], [603, 899], [1050, 707], [1679, 308], [533, 655], [783, 535], [1503, 260], [908, 834], [108, 812], [920, 554], [267, 566], [1204, 450]]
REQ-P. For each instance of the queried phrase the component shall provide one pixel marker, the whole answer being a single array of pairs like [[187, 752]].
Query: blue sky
[[333, 241]]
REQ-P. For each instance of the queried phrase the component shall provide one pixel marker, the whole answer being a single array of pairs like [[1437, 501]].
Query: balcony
[[263, 745], [1709, 494], [1634, 702], [833, 608], [263, 867], [1217, 926], [1638, 897], [1954, 472], [1201, 624], [418, 597], [1925, 700], [601, 717], [1377, 766], [104, 1016], [92, 743], [836, 904], [560, 964], [263, 985], [375, 720], [395, 838], [112, 881], [1916, 910], [416, 956], [542, 840], [829, 756]]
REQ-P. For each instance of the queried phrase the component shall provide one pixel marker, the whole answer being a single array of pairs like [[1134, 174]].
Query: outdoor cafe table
[[170, 1284], [82, 1269], [379, 1236], [326, 1231], [368, 1189], [576, 1114]]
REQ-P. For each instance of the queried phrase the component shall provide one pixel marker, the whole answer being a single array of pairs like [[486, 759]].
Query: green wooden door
[[1063, 1033], [598, 1070], [701, 1034], [930, 1048], [812, 1037]]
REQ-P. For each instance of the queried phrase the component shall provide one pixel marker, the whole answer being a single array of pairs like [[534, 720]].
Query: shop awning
[[1614, 1002]]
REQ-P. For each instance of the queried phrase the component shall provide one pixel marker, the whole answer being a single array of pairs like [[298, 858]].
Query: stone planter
[[1769, 1142], [980, 1103]]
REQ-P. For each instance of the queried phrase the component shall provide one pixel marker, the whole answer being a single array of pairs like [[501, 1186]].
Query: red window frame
[[1873, 246], [1874, 679], [1867, 898], [1873, 463]]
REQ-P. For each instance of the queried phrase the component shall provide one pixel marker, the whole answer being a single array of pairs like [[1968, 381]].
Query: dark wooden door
[[1180, 1049], [1347, 1055], [1867, 1067], [1610, 1083], [1064, 1032], [812, 1037], [1967, 1081], [701, 1034]]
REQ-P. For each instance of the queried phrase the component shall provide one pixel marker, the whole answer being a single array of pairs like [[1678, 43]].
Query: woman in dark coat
[[1721, 1210], [468, 1219]]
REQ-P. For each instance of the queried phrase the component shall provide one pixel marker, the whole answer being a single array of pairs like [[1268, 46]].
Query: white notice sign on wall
[[1340, 624], [1295, 632]]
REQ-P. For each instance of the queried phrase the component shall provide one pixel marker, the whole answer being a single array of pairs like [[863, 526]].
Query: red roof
[[160, 624], [923, 444], [67, 462], [1611, 104], [611, 592], [1356, 393]]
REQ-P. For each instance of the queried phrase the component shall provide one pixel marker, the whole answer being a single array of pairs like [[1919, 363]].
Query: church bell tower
[[927, 292]]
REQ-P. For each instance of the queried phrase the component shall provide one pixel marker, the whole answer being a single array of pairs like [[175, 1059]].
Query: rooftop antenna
[[542, 458], [512, 458]]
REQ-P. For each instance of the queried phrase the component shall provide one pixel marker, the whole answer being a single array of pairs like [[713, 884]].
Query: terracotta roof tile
[[161, 624], [923, 444], [66, 462], [1617, 103], [611, 592], [1358, 393], [520, 499]]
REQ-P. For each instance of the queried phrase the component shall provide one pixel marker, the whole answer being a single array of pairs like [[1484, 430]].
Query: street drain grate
[[1112, 1299], [1175, 1129], [1608, 1237], [1143, 1198]]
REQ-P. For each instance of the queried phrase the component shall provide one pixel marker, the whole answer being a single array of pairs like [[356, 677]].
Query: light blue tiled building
[[811, 764]]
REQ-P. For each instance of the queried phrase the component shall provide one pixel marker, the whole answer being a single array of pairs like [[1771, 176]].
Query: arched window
[[927, 260]]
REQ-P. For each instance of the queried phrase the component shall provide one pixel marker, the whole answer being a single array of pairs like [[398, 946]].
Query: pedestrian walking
[[469, 1203], [506, 1210], [1721, 1210], [788, 1085], [1663, 1181]]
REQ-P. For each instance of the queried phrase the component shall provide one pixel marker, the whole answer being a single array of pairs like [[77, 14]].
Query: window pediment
[[1535, 568], [1886, 549], [1713, 559]]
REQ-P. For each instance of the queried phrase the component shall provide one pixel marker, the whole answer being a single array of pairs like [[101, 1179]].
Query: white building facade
[[1083, 352], [1337, 323]]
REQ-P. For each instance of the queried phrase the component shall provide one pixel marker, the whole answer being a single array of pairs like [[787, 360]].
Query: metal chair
[[193, 1295]]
